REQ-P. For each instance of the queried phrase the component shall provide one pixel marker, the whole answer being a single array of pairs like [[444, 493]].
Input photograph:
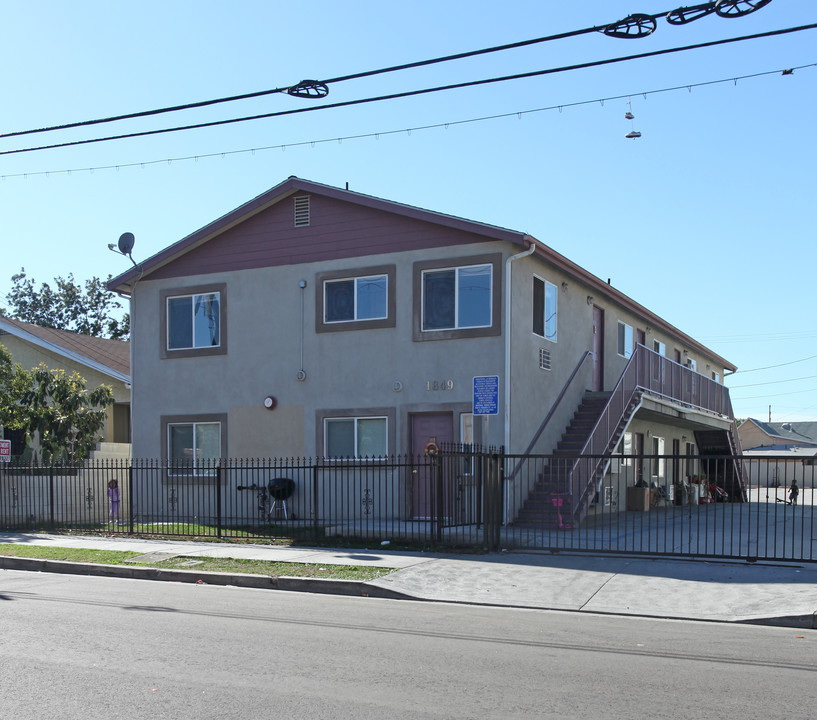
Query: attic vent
[[544, 359], [302, 211]]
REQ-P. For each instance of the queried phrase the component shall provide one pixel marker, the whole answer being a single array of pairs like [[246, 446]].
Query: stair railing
[[592, 454], [550, 414], [646, 372]]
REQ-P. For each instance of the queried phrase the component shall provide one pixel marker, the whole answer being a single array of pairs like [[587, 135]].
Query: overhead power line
[[634, 26], [773, 382], [758, 397], [771, 367], [411, 93], [408, 130]]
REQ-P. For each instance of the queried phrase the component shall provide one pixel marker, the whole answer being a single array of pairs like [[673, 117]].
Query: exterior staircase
[[549, 503]]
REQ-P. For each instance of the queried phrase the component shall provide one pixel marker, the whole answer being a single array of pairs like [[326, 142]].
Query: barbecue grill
[[280, 490]]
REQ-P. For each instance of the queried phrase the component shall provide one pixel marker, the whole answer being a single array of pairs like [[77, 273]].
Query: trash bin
[[638, 498]]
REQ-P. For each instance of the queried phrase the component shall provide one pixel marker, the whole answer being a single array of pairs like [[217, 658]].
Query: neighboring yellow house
[[777, 453], [98, 360]]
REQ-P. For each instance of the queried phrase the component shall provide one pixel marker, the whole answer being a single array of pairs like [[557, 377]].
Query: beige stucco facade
[[28, 355], [279, 371]]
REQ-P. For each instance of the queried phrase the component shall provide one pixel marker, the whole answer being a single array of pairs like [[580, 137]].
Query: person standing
[[113, 499], [794, 492]]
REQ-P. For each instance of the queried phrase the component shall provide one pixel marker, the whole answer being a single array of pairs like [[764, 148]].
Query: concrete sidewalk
[[782, 594]]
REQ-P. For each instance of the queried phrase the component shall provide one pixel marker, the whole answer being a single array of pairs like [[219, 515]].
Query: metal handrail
[[650, 372], [550, 414]]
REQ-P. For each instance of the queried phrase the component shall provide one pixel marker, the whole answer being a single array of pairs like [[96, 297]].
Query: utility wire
[[773, 382], [384, 133], [411, 93], [770, 367], [758, 397], [335, 80]]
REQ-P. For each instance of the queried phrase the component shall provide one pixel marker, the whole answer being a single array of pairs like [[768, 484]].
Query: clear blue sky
[[708, 219]]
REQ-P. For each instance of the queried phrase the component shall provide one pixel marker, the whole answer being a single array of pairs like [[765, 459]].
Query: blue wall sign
[[486, 395]]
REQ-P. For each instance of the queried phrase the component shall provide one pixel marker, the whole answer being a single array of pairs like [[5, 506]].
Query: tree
[[14, 383], [67, 417], [90, 310]]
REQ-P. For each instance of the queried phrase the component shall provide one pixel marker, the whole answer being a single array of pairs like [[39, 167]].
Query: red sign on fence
[[5, 450]]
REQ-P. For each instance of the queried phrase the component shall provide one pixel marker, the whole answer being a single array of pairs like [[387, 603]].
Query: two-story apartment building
[[319, 322]]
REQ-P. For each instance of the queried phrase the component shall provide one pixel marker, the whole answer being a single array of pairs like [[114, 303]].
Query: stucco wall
[[380, 368], [271, 324]]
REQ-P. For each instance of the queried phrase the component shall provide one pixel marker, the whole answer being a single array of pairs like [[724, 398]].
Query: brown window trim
[[220, 288], [387, 322], [495, 328], [388, 412], [165, 420]]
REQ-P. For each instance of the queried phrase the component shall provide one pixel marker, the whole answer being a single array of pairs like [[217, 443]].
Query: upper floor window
[[356, 437], [456, 298], [358, 299], [193, 321], [625, 340], [354, 299], [545, 309], [659, 347]]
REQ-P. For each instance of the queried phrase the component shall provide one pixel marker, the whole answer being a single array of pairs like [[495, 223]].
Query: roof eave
[[124, 283], [64, 352]]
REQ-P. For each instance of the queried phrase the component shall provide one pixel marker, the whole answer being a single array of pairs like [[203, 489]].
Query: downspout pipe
[[508, 262]]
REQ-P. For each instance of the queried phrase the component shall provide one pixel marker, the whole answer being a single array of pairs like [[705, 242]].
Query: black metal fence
[[696, 506]]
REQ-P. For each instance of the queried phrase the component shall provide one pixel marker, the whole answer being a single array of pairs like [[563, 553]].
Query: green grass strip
[[197, 564]]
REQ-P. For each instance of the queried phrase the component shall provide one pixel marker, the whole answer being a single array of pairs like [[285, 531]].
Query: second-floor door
[[598, 349]]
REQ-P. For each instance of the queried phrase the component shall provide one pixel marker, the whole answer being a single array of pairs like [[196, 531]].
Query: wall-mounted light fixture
[[590, 300], [564, 287]]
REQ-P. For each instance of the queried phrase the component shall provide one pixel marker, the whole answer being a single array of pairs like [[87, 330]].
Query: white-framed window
[[467, 428], [716, 376], [194, 321], [659, 347], [545, 309], [627, 449], [355, 299], [193, 447], [356, 437], [658, 463], [457, 297], [625, 340]]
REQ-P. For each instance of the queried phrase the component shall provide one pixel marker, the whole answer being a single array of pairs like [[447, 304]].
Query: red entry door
[[427, 428], [598, 349]]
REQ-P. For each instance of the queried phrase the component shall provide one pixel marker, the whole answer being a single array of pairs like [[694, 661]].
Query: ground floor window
[[193, 448], [356, 437]]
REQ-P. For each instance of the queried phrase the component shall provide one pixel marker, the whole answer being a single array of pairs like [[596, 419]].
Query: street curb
[[263, 582], [350, 588], [801, 622]]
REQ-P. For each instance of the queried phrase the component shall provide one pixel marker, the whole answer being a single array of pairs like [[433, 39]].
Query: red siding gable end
[[336, 230]]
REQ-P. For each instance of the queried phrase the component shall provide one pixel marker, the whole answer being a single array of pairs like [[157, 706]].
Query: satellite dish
[[126, 241]]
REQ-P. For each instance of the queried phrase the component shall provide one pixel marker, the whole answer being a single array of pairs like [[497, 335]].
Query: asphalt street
[[86, 647]]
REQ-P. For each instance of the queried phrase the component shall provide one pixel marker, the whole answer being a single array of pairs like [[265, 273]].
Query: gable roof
[[806, 431], [110, 357], [787, 432], [124, 283]]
